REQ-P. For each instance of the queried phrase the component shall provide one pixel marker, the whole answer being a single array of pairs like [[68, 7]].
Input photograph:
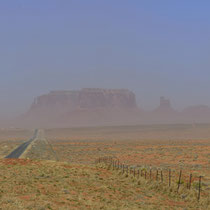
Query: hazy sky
[[153, 47]]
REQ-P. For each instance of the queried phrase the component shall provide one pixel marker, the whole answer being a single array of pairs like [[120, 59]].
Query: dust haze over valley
[[104, 104], [104, 107], [74, 45]]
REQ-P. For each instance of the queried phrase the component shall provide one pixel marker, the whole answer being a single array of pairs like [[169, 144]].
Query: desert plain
[[61, 172]]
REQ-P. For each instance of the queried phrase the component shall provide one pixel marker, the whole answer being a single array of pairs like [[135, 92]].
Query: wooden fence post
[[179, 182], [150, 173], [161, 176], [157, 175], [190, 181], [169, 178], [199, 188]]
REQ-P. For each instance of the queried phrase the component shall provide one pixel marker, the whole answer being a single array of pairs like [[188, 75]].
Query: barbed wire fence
[[166, 176]]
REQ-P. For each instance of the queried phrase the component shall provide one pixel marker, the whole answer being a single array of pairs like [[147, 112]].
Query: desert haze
[[103, 107]]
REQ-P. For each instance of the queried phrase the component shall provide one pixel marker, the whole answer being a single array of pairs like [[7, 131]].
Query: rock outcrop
[[86, 98], [103, 107], [163, 114], [165, 107], [81, 107]]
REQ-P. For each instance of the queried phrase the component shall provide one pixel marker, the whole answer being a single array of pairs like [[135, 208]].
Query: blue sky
[[151, 47]]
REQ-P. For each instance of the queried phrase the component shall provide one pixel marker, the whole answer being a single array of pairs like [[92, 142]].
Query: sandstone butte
[[102, 107], [88, 106]]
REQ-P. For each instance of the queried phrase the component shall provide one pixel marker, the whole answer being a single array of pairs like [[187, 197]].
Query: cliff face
[[86, 99], [103, 107], [82, 106], [165, 108]]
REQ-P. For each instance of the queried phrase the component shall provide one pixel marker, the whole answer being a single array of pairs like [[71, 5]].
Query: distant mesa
[[104, 107], [197, 110], [87, 98], [199, 113], [88, 106]]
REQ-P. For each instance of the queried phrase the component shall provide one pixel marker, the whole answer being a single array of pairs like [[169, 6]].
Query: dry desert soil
[[60, 172]]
